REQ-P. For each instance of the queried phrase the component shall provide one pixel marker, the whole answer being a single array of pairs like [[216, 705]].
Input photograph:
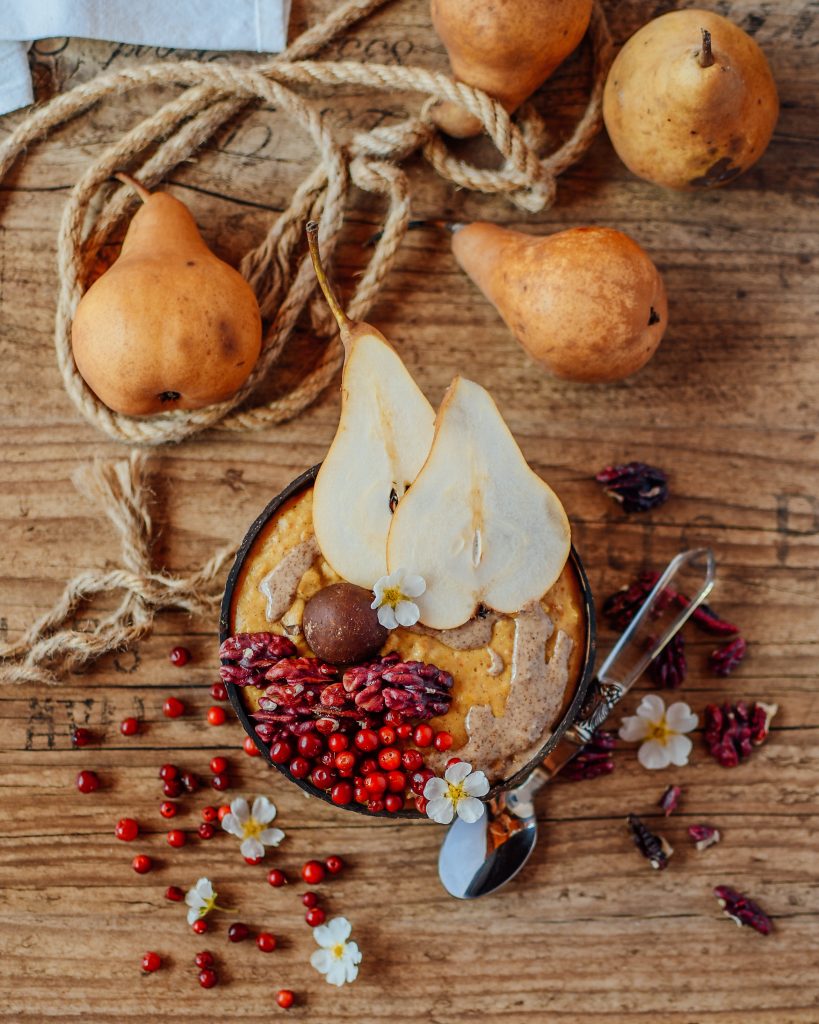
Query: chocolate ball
[[340, 626]]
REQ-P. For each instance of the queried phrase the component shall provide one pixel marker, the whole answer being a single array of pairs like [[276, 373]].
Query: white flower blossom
[[393, 598], [250, 825], [201, 899], [337, 959], [456, 793], [660, 731]]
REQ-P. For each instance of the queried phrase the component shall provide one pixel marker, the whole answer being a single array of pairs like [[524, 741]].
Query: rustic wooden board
[[728, 406]]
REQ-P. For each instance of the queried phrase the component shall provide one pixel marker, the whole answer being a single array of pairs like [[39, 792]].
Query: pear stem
[[343, 321], [414, 225], [706, 57], [137, 186]]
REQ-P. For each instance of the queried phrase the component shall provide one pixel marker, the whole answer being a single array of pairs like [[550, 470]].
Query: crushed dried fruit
[[725, 659], [247, 657], [655, 849], [704, 836], [669, 667], [670, 800], [742, 909], [733, 730], [621, 607], [594, 759], [637, 486]]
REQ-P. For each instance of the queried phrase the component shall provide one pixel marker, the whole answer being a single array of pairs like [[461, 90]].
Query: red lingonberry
[[189, 781], [176, 837], [276, 878], [334, 864], [345, 763], [266, 942], [173, 708], [419, 779], [423, 735], [309, 899], [393, 802], [168, 771], [209, 814], [80, 736], [167, 809], [253, 860], [393, 718], [396, 782], [337, 742], [421, 804], [375, 806], [218, 691], [299, 767], [129, 726], [360, 794], [443, 741], [322, 778], [208, 977], [404, 731], [172, 787], [142, 863], [218, 765], [285, 998], [310, 745], [453, 760], [250, 748], [223, 810], [280, 752], [313, 872], [386, 736], [206, 830], [126, 829], [200, 926], [368, 766], [174, 894], [366, 740], [315, 916], [411, 760], [87, 781], [375, 784], [151, 962], [238, 932], [179, 656], [220, 782], [341, 793], [204, 959], [389, 759], [216, 715]]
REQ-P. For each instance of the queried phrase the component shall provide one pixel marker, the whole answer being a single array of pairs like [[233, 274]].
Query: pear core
[[478, 655]]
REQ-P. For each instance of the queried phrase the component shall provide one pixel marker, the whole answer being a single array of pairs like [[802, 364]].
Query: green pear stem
[[706, 57], [345, 324], [137, 186]]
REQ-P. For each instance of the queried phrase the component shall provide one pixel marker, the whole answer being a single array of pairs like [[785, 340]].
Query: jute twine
[[278, 270]]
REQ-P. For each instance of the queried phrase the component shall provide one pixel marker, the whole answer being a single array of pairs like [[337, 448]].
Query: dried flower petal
[[704, 836], [637, 486], [725, 659], [733, 730], [594, 758], [742, 909], [669, 668], [655, 849], [670, 799]]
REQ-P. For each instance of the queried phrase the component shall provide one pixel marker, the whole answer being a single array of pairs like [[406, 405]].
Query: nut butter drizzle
[[280, 586]]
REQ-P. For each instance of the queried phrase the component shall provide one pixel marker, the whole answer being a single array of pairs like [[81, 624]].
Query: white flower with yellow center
[[201, 899], [393, 598], [660, 731], [456, 793], [250, 825], [337, 959]]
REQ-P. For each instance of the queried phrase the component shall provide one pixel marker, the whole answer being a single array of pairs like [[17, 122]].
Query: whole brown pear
[[169, 325], [508, 48], [690, 101], [587, 303]]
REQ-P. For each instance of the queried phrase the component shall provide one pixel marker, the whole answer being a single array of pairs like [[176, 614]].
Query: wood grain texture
[[728, 406]]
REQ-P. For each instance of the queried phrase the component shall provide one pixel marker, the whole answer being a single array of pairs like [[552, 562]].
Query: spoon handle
[[653, 627]]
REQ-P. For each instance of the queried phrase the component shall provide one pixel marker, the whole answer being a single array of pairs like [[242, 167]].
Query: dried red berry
[[706, 618], [742, 909], [670, 799], [733, 730], [725, 659], [621, 607], [637, 486], [703, 836], [174, 894], [594, 758], [179, 656], [655, 849], [669, 668], [246, 657]]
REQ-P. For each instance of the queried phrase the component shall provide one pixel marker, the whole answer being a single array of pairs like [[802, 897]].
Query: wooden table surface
[[727, 407]]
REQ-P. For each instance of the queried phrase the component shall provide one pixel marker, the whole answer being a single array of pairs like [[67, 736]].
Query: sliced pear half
[[478, 524], [383, 438]]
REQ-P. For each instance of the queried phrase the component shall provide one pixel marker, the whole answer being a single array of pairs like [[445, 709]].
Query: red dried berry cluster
[[594, 759], [637, 486], [742, 909], [733, 730]]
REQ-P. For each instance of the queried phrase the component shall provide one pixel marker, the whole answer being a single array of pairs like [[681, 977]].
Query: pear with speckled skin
[[586, 303], [690, 102], [169, 325]]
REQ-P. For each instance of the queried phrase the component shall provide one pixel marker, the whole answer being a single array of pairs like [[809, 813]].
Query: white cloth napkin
[[259, 25]]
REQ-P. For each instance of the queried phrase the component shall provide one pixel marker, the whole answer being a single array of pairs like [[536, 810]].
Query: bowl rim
[[568, 718]]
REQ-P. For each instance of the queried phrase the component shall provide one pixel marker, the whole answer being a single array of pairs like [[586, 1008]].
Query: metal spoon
[[478, 858]]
